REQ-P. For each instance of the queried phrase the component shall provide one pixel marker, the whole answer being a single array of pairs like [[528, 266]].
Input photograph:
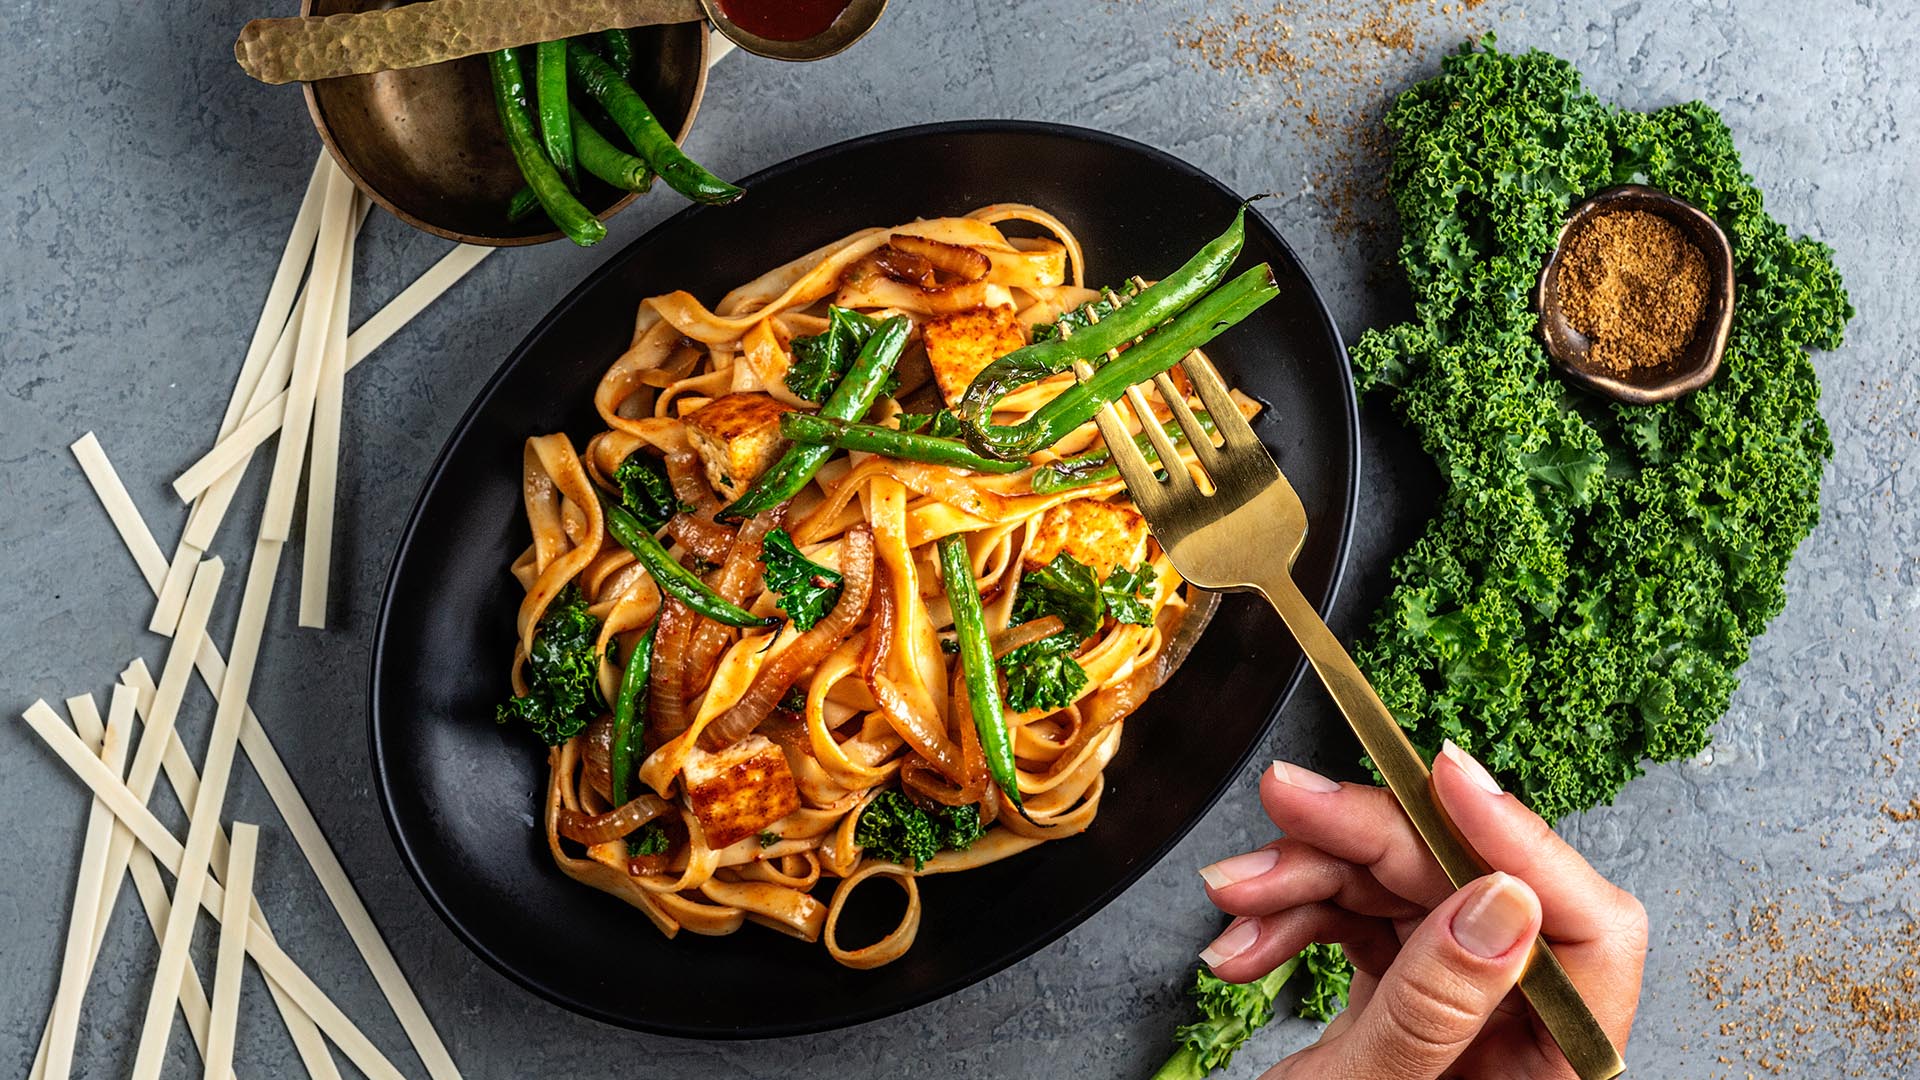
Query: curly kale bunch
[[1595, 572]]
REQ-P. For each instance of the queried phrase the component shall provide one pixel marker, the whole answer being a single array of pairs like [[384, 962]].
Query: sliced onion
[[920, 731], [779, 674], [604, 828], [666, 682], [701, 535], [900, 265], [1014, 637], [596, 753], [961, 262], [736, 577]]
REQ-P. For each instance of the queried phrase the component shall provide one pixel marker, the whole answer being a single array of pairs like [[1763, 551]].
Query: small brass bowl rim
[[853, 23], [343, 159], [1701, 360]]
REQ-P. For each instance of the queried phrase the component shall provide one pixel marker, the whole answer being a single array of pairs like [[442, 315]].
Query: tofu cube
[[737, 792], [737, 436], [1102, 535], [960, 344]]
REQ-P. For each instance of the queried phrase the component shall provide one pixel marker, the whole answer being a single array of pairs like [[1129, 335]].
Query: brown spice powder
[[1635, 286], [1322, 73]]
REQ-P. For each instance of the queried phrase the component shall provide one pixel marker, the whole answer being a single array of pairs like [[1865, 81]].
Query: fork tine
[[1197, 436], [1233, 427], [1179, 481], [1145, 488]]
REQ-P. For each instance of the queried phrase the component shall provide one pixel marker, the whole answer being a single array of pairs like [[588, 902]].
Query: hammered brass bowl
[[425, 143], [1699, 361]]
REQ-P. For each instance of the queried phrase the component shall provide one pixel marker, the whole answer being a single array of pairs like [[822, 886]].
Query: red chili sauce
[[784, 20]]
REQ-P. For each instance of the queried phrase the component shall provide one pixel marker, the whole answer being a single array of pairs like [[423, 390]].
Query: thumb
[[1449, 977]]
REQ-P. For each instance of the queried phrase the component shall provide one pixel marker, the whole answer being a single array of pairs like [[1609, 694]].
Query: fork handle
[[1545, 983]]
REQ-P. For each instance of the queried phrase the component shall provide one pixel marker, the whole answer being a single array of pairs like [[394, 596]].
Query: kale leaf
[[1328, 975], [897, 829], [649, 839], [1086, 314], [1065, 587], [821, 361], [1229, 1013], [1043, 675], [1123, 590], [940, 422], [563, 688], [646, 491], [807, 590]]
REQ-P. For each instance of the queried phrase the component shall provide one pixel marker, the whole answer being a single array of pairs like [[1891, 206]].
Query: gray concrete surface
[[146, 189]]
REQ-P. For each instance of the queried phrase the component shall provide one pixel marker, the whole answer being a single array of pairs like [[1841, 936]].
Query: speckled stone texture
[[147, 189]]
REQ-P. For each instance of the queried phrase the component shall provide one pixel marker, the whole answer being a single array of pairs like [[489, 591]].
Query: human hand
[[1434, 969]]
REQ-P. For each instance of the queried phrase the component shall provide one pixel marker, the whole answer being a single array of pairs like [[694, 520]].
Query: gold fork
[[1244, 537]]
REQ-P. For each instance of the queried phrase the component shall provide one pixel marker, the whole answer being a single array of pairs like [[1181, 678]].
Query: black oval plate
[[461, 793]]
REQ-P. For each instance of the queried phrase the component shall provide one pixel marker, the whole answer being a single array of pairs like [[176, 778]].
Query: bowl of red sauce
[[794, 29]]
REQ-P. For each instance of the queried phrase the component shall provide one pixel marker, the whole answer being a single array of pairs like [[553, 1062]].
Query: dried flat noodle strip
[[895, 943]]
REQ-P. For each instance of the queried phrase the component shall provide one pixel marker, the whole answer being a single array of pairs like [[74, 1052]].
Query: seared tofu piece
[[959, 345], [1102, 535], [739, 791], [737, 436]]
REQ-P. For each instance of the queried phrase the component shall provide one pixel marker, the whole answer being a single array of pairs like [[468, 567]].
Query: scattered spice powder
[[1324, 72], [1635, 286], [1787, 974]]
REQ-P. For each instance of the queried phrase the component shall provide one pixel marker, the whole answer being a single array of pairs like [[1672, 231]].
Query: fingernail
[[1475, 771], [1234, 940], [1239, 868], [1495, 920], [1304, 779]]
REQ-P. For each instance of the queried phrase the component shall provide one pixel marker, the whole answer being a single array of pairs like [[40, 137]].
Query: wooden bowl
[[426, 143], [1696, 365]]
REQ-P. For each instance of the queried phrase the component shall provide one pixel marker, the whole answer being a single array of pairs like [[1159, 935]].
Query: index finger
[[1578, 904]]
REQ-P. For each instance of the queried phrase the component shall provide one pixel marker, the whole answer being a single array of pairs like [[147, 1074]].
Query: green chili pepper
[[675, 580], [804, 427], [600, 157], [630, 714], [976, 663], [1153, 306], [631, 114], [556, 119], [510, 98], [849, 401], [1158, 352], [619, 46], [1097, 464]]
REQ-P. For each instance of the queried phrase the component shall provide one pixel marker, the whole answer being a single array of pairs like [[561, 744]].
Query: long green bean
[[510, 99], [556, 119], [976, 664], [637, 121], [522, 205], [629, 714], [818, 430], [1097, 464], [619, 46], [1158, 352], [675, 580], [601, 158], [850, 400], [1152, 307]]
